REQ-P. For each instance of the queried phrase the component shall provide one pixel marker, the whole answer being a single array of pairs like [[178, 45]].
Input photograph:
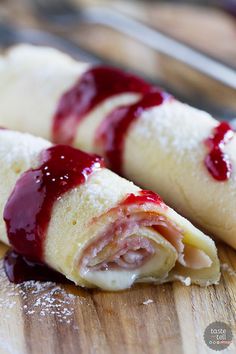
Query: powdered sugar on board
[[147, 302], [228, 269], [37, 298]]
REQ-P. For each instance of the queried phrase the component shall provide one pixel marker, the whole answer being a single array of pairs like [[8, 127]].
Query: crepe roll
[[143, 133], [61, 207]]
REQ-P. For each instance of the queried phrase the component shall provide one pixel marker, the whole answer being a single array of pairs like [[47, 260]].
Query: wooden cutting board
[[54, 319]]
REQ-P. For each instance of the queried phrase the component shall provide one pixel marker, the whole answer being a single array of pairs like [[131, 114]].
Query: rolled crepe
[[100, 230], [164, 148]]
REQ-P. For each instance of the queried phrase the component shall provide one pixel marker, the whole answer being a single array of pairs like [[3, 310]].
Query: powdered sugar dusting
[[147, 302], [46, 300], [25, 150], [174, 131], [227, 268]]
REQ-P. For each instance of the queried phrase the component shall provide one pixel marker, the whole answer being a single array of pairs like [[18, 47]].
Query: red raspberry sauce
[[28, 210], [143, 197], [217, 161], [95, 86], [112, 132]]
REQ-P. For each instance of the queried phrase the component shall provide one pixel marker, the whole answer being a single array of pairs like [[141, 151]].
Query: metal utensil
[[64, 12], [10, 35]]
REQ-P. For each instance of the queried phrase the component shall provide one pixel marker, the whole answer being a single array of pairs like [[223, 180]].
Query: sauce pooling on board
[[113, 130], [217, 161], [96, 85], [19, 269], [28, 210]]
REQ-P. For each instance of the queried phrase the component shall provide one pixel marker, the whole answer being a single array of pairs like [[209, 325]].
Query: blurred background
[[187, 47]]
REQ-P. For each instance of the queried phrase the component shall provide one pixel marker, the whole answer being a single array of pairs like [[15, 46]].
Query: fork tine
[[54, 8]]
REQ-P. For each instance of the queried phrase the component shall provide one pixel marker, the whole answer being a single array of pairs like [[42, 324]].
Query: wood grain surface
[[61, 319]]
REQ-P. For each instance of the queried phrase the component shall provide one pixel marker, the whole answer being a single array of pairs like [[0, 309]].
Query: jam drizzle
[[95, 85], [217, 161], [144, 196], [111, 133], [28, 210]]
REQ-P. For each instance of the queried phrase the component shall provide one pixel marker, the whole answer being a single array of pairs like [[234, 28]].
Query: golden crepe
[[165, 149], [60, 206]]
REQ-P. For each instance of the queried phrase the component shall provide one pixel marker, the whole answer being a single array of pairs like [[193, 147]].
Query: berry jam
[[217, 161], [28, 210], [143, 197], [19, 269], [95, 86], [113, 130]]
